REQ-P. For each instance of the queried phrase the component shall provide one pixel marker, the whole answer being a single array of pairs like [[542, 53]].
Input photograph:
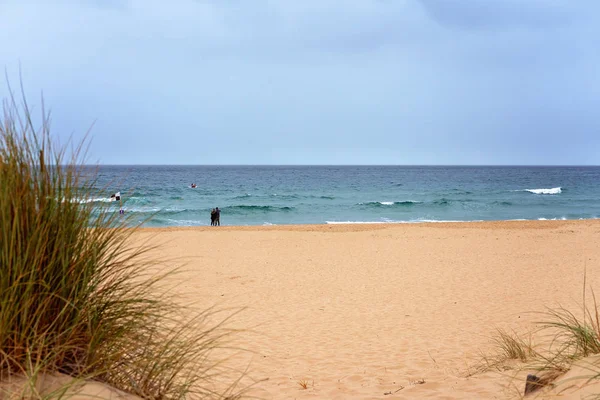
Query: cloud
[[505, 14], [414, 81]]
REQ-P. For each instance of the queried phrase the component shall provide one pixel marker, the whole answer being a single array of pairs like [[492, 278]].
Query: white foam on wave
[[556, 190], [185, 222], [97, 200], [390, 203], [416, 221], [143, 209], [172, 209], [355, 222], [442, 221]]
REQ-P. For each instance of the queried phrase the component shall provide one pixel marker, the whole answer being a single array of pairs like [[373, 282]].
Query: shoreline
[[357, 227]]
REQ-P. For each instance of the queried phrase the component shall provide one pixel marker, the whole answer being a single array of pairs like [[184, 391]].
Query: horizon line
[[341, 165]]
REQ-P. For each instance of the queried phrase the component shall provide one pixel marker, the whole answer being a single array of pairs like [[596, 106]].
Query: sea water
[[162, 196]]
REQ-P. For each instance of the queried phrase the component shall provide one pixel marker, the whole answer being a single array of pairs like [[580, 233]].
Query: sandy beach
[[383, 311]]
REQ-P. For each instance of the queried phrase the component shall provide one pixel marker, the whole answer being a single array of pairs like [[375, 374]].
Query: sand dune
[[58, 386]]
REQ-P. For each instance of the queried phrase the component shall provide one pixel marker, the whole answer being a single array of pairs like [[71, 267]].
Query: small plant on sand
[[507, 347], [303, 384], [75, 298], [513, 347]]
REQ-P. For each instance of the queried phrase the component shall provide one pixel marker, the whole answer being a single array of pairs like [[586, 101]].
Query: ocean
[[161, 196]]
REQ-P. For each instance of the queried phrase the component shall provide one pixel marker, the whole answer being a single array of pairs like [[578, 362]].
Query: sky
[[312, 81]]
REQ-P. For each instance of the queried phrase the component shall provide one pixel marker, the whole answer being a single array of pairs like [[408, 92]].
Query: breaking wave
[[97, 200], [389, 203], [556, 190]]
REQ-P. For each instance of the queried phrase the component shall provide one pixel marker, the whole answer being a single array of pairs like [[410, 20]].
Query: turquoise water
[[263, 195]]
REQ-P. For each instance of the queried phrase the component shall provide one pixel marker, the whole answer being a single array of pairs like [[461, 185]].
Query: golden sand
[[394, 311]]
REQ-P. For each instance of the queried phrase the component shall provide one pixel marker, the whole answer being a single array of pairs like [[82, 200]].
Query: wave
[[176, 222], [279, 196], [444, 201], [460, 191], [164, 210], [389, 203], [243, 209], [356, 222], [243, 196], [200, 212], [414, 221], [133, 197], [419, 221], [502, 203], [285, 196], [143, 210], [97, 200], [556, 190], [407, 203], [136, 201]]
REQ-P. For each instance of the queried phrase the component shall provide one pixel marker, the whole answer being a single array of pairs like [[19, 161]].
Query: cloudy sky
[[313, 81]]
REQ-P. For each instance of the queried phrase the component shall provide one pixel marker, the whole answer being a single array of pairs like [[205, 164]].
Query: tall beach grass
[[75, 298]]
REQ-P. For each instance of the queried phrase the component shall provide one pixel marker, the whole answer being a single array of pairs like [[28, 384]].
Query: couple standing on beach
[[215, 217]]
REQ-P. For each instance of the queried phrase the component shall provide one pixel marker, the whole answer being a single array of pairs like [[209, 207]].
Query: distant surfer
[[193, 186], [117, 197]]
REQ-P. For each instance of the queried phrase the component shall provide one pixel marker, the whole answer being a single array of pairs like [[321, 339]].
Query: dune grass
[[75, 297], [513, 347], [576, 337], [569, 338]]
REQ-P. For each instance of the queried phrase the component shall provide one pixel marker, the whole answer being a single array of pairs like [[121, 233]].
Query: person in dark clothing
[[217, 217], [213, 216]]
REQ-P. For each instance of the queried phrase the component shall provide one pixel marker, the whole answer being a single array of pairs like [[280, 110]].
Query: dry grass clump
[[513, 347], [303, 384], [75, 298], [509, 349]]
